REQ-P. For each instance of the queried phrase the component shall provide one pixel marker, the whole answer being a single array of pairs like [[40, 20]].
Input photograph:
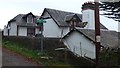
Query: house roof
[[59, 16], [20, 20], [108, 38]]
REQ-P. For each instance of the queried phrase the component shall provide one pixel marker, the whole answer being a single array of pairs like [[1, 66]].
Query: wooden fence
[[34, 42]]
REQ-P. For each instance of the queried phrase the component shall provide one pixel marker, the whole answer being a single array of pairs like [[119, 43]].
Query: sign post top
[[41, 21]]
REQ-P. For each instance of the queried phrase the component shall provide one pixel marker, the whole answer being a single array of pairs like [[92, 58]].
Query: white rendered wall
[[80, 45], [118, 26], [89, 16], [64, 31], [13, 29], [51, 29], [5, 31], [22, 31], [36, 31]]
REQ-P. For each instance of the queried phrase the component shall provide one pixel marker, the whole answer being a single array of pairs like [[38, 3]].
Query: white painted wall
[[13, 29], [118, 26], [64, 31], [51, 29], [22, 31], [88, 16], [36, 31], [5, 31], [80, 45]]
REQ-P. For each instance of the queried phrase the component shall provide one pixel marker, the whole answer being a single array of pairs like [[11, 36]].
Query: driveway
[[10, 58]]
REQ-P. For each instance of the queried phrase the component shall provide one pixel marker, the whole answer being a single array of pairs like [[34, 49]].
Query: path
[[10, 58]]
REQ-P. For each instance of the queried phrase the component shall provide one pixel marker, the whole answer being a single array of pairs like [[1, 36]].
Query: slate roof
[[108, 38], [59, 16], [19, 19]]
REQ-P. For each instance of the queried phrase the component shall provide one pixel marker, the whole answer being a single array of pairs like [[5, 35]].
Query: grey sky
[[11, 8]]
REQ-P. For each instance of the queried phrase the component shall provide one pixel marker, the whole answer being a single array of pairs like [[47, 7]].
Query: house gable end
[[78, 32], [44, 11], [80, 45]]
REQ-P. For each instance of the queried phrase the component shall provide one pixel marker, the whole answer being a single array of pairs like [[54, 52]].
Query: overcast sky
[[10, 8]]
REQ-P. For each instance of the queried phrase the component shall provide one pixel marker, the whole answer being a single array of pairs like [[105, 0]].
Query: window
[[30, 31], [29, 19], [75, 23]]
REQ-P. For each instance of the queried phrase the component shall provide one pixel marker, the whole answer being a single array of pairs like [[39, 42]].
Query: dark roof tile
[[19, 19], [59, 16], [108, 38]]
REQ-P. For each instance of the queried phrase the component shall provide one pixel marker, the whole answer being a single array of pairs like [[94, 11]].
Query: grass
[[109, 58], [35, 55]]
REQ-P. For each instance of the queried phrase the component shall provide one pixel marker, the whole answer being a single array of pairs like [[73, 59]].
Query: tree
[[112, 10]]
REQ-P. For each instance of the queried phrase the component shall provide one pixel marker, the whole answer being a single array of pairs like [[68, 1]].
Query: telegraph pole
[[97, 31]]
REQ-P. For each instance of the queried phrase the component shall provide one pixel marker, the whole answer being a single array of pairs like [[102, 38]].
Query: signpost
[[40, 23]]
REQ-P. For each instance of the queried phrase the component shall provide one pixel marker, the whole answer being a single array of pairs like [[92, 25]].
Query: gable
[[58, 16], [108, 38], [77, 31], [21, 20], [80, 45], [28, 15]]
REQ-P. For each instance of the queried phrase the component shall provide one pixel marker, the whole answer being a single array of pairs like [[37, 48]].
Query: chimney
[[88, 15]]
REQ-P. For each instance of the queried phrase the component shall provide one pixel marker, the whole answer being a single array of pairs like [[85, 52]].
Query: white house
[[82, 41], [56, 26], [22, 25]]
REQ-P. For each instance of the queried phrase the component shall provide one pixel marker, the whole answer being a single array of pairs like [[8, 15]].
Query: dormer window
[[29, 19], [73, 20]]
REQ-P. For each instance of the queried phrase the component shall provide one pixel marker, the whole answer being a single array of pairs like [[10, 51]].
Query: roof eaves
[[12, 20]]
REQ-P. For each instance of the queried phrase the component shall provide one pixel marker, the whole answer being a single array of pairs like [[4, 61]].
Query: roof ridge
[[61, 10]]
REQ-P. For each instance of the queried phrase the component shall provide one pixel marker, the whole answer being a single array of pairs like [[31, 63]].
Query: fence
[[34, 42]]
